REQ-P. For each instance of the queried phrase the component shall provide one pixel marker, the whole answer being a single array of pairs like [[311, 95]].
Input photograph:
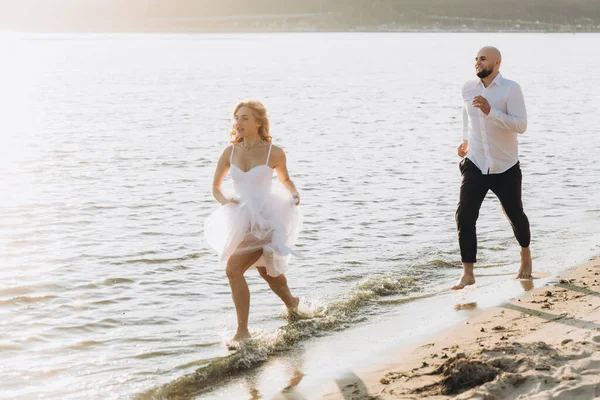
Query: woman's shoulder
[[277, 151], [227, 151]]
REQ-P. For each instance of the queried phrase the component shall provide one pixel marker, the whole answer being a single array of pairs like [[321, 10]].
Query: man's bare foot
[[236, 341], [465, 280], [526, 264]]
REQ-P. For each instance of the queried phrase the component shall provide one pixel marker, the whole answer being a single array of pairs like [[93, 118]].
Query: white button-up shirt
[[493, 145]]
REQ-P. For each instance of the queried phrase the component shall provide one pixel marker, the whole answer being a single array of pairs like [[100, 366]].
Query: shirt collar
[[497, 81]]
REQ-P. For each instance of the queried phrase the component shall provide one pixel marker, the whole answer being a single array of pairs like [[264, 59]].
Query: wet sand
[[544, 344]]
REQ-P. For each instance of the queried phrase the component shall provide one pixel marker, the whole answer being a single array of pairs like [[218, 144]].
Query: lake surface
[[108, 144]]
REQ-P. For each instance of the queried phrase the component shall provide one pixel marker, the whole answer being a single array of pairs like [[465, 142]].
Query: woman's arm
[[220, 173], [279, 159]]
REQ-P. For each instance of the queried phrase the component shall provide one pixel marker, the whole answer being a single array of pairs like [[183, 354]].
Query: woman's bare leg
[[236, 267], [279, 286]]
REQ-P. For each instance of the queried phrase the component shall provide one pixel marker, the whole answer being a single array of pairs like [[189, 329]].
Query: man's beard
[[484, 73]]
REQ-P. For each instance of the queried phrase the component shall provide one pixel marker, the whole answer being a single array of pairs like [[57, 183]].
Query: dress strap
[[269, 155], [231, 157]]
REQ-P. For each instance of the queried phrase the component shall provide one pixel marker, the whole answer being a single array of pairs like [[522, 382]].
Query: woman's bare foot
[[526, 264], [465, 280], [238, 339], [294, 305]]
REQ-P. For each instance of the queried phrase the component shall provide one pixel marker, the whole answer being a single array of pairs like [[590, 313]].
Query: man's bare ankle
[[468, 267]]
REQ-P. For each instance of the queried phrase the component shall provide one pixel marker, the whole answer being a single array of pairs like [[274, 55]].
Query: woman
[[259, 226]]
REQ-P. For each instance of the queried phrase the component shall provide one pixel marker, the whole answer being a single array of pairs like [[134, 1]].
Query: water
[[108, 146]]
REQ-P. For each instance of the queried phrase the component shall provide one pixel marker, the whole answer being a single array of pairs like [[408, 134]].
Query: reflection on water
[[527, 284], [466, 306]]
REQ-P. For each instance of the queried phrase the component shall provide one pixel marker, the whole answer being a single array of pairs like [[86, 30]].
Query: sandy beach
[[541, 345]]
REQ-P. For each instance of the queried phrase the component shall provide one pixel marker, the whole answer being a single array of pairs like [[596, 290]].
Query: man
[[493, 114]]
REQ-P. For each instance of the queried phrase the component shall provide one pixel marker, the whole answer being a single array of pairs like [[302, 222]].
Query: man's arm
[[463, 147], [465, 120], [516, 117]]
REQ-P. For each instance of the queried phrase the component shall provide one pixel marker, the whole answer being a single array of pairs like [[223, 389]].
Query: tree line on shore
[[165, 15]]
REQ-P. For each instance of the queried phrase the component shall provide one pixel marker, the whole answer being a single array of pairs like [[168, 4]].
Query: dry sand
[[544, 345]]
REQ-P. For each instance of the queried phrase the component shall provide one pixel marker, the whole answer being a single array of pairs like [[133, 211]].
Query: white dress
[[266, 218]]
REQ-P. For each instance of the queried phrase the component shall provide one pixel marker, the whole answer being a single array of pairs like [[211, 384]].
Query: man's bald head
[[491, 51], [487, 61]]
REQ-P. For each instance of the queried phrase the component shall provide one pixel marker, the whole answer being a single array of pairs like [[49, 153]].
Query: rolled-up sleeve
[[516, 117]]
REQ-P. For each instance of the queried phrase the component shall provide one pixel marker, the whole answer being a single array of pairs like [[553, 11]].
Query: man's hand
[[462, 148], [482, 103]]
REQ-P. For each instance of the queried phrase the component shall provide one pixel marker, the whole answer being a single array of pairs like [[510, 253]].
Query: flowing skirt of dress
[[270, 221]]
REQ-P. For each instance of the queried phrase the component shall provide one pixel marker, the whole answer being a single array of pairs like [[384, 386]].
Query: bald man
[[493, 115]]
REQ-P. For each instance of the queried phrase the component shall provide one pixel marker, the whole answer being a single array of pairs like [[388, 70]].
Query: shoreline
[[541, 343]]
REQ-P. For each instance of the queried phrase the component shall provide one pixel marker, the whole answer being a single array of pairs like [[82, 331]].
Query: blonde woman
[[260, 224]]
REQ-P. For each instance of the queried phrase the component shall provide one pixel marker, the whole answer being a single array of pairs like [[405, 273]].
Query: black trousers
[[473, 188]]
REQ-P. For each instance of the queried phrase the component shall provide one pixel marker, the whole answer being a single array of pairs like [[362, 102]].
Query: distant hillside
[[282, 15]]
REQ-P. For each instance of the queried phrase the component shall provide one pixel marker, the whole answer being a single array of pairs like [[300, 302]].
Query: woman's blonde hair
[[260, 113]]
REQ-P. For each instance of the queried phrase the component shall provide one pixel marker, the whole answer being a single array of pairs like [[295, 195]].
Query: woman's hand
[[227, 201], [296, 197]]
